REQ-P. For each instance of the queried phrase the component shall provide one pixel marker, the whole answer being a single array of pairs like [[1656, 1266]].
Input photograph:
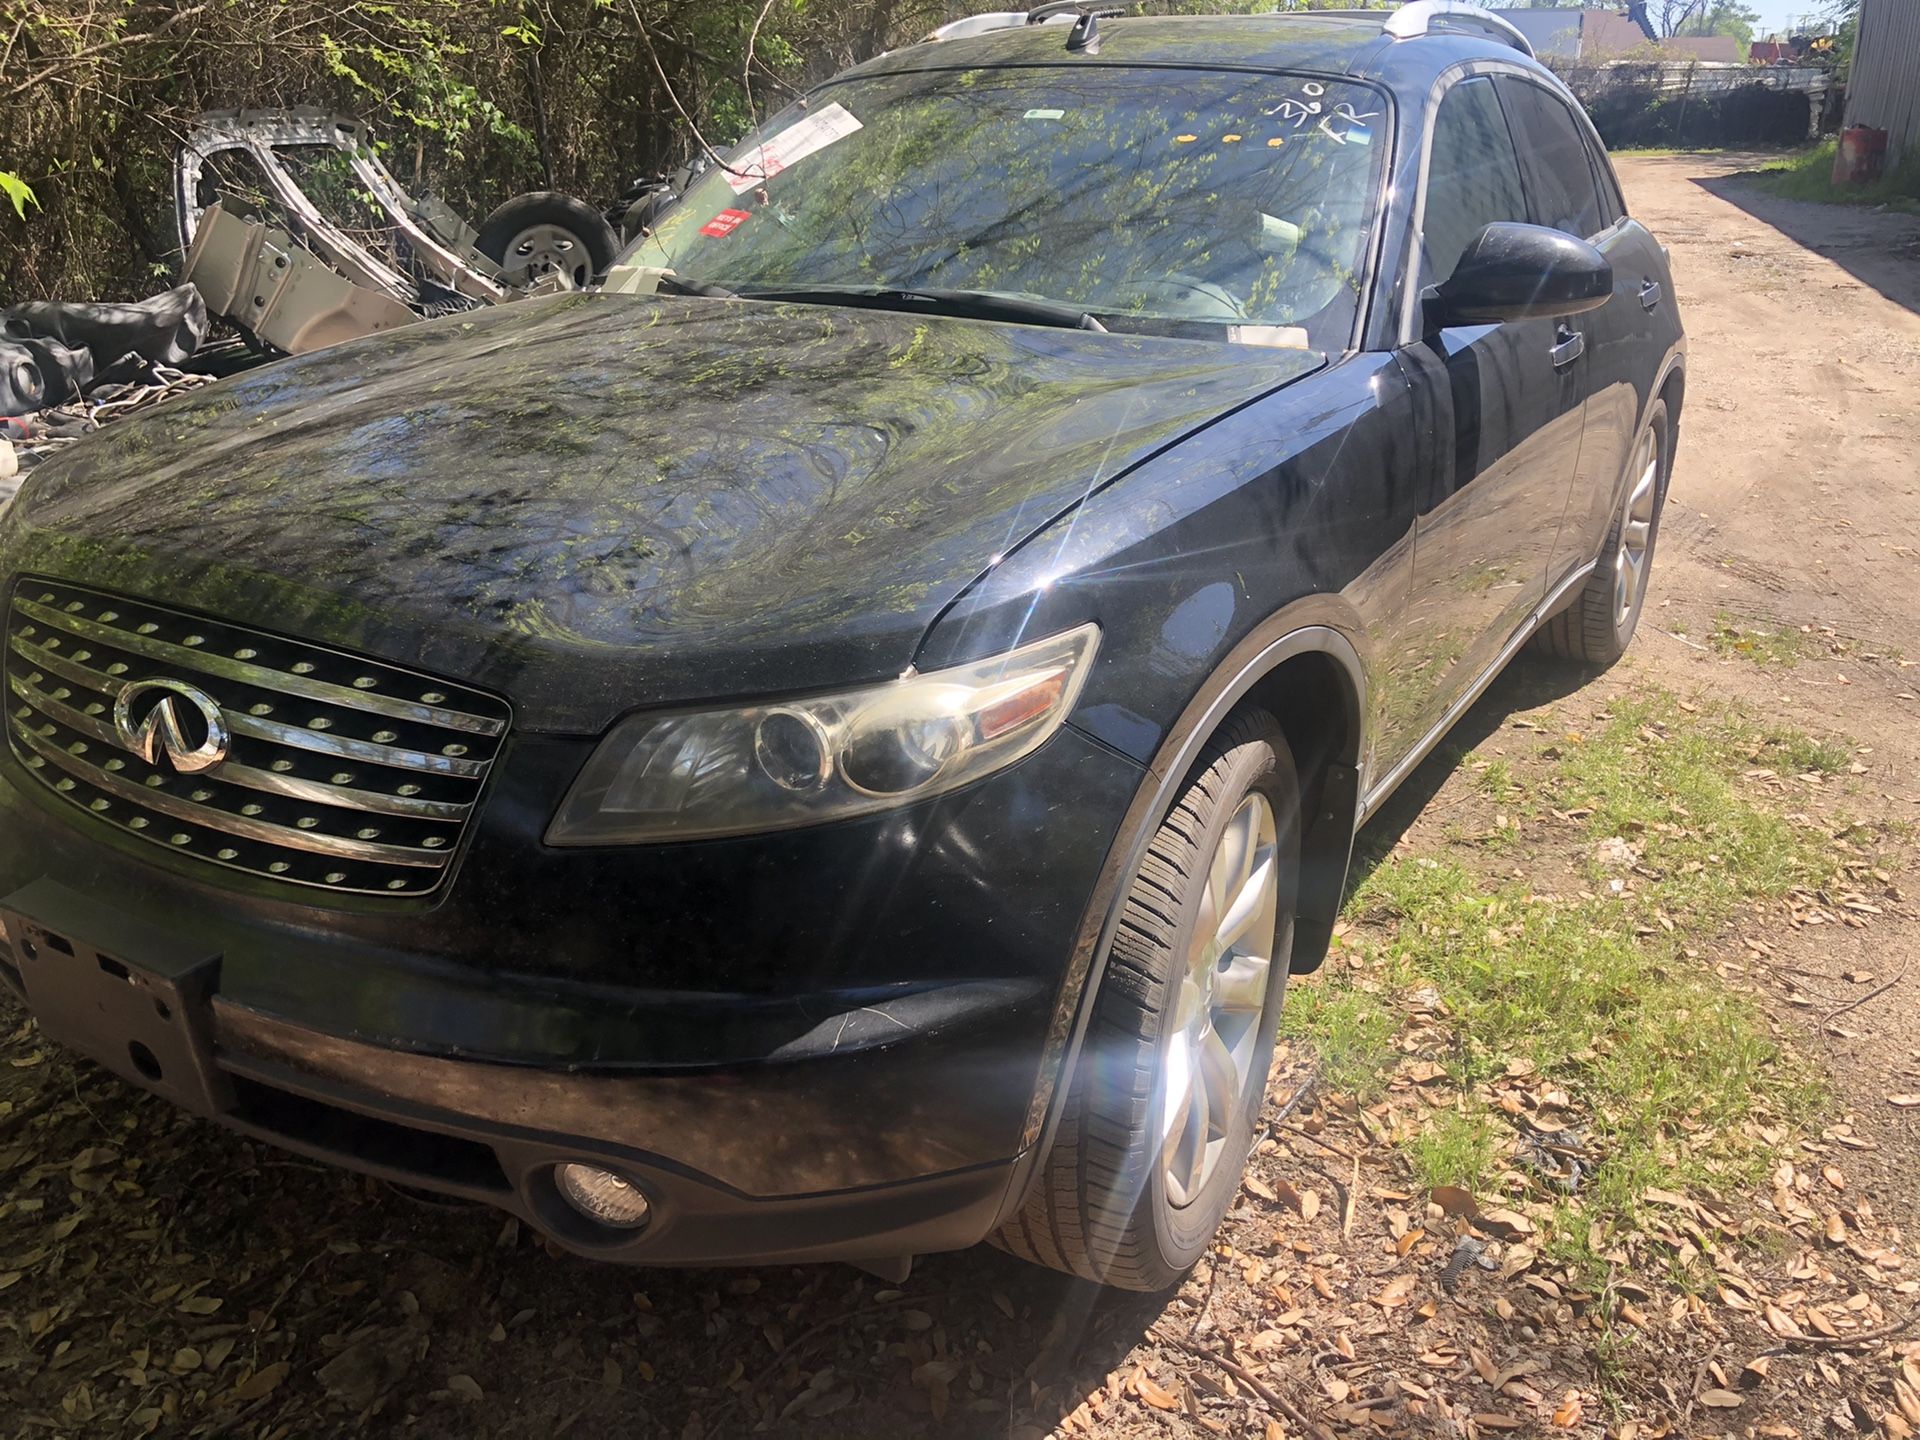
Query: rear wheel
[[1159, 1115], [1597, 627]]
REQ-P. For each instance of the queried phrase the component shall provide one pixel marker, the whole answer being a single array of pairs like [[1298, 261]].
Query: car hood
[[596, 502]]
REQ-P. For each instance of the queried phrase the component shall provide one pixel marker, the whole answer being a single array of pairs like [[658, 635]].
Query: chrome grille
[[343, 773]]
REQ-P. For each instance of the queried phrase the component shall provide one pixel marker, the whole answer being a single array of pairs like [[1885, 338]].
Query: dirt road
[[158, 1276], [1797, 496], [1796, 499]]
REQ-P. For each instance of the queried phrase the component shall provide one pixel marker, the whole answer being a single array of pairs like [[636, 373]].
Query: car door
[[1571, 187], [1499, 414]]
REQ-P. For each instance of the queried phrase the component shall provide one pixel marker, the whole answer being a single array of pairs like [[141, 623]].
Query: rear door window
[[1473, 178], [1560, 173]]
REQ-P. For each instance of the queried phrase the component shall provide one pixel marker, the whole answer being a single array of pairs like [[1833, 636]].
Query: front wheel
[[1160, 1112], [1600, 622]]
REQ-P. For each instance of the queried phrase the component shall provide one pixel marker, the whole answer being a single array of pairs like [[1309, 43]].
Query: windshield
[[1154, 199]]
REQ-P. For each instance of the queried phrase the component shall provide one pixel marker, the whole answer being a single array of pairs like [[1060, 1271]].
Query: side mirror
[[1516, 272]]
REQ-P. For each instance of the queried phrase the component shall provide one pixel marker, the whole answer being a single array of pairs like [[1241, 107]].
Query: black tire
[[587, 240], [1593, 629], [1100, 1206]]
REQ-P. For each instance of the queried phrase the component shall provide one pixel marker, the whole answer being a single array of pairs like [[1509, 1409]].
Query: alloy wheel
[[1223, 992]]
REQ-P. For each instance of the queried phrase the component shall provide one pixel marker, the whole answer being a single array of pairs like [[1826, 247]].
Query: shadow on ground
[[1879, 248], [1528, 683]]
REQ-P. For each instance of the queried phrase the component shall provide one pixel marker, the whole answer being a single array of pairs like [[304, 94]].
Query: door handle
[[1649, 294], [1569, 346]]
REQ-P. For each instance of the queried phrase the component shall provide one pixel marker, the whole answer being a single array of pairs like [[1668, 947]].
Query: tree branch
[[87, 52]]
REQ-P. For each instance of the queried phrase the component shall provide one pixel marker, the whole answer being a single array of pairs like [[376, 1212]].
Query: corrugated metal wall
[[1884, 89]]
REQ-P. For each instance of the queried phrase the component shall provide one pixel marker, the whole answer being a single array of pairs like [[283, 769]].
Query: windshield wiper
[[969, 304]]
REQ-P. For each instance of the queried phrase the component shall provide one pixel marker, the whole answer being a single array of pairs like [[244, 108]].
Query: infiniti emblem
[[152, 717]]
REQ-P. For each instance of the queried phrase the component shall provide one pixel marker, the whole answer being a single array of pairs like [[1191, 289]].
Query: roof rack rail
[[1047, 12], [1422, 17], [1425, 17]]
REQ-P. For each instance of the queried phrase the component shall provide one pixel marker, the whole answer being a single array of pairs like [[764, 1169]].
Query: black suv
[[832, 745]]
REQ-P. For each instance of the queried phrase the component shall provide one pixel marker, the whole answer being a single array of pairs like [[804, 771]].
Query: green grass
[[1349, 1029], [1666, 152], [1593, 990], [1455, 1149], [1768, 648], [1808, 175]]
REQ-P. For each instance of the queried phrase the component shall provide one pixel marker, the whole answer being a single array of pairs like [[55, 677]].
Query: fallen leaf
[[263, 1381], [1782, 1324], [1153, 1393], [1569, 1413], [1396, 1293], [1454, 1200], [1507, 1224], [1905, 1102], [466, 1387], [1720, 1399], [1256, 1186]]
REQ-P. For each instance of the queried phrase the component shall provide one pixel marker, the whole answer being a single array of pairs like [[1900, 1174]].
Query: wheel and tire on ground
[[1598, 625], [1160, 1111], [545, 232]]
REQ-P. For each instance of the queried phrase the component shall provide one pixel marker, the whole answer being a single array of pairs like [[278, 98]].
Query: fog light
[[602, 1195]]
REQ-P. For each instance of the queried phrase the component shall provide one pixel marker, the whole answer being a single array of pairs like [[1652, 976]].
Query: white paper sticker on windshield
[[793, 144]]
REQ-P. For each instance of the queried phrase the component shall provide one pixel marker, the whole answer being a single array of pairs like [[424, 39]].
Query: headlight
[[695, 775]]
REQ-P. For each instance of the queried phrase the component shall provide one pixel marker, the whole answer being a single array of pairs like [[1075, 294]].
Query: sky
[[1777, 14]]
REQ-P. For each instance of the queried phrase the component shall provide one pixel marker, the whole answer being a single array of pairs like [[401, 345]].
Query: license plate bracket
[[134, 1000]]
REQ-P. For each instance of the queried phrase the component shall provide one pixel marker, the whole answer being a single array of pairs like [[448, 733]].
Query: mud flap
[[1326, 847]]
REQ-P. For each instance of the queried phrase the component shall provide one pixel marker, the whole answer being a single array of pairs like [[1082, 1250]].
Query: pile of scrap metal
[[66, 369], [269, 257], [289, 272]]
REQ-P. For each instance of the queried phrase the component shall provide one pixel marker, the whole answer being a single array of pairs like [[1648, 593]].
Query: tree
[[1723, 17]]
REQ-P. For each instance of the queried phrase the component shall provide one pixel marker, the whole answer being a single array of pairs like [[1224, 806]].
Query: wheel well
[[1318, 706], [1674, 392]]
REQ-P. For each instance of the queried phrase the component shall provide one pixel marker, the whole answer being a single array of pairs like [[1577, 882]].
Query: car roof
[[1355, 46]]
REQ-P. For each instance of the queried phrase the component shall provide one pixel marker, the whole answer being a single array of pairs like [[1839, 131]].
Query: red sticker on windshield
[[726, 222]]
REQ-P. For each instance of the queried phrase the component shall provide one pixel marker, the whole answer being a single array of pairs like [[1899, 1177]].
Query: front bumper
[[848, 1105]]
